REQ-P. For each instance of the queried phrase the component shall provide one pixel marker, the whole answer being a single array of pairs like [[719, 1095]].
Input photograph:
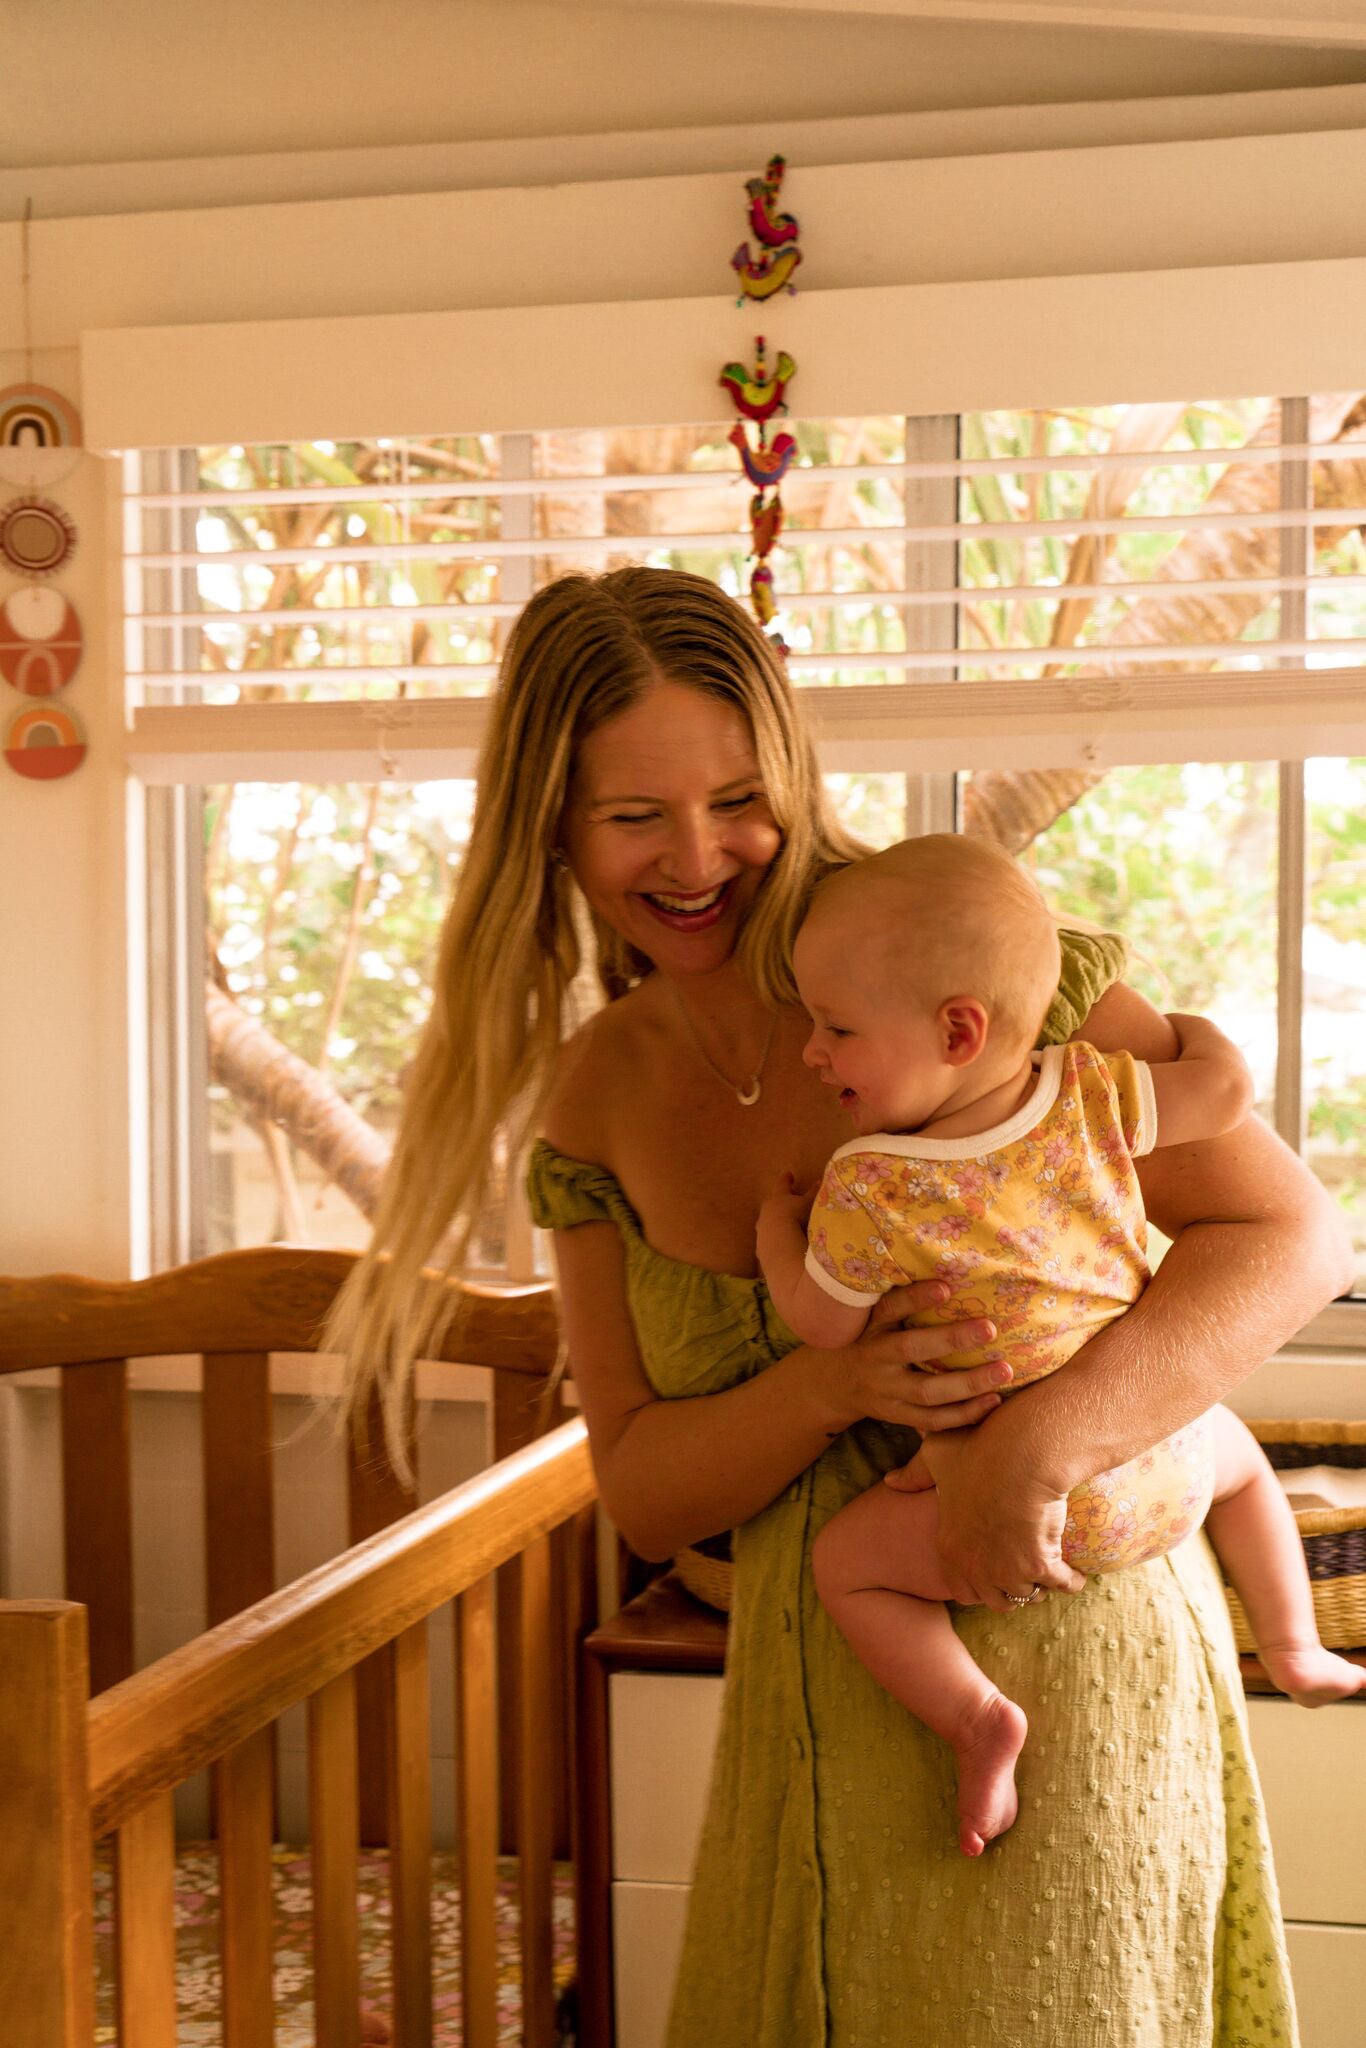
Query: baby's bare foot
[[986, 1755], [1312, 1675], [374, 2028]]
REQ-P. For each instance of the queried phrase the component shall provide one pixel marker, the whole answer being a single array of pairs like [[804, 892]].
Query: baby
[[928, 971]]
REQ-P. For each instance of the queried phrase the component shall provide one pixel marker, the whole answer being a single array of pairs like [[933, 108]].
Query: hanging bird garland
[[759, 393], [770, 272]]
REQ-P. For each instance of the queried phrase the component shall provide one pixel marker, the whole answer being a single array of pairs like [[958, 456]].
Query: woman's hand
[[1000, 1532], [879, 1376]]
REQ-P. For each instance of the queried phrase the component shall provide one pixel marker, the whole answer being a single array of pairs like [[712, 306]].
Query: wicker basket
[[1334, 1538], [706, 1569]]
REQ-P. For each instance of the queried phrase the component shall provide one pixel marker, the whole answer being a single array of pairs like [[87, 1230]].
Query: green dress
[[1133, 1903]]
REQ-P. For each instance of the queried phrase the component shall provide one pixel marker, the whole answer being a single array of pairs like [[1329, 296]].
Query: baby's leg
[[1254, 1532], [877, 1571]]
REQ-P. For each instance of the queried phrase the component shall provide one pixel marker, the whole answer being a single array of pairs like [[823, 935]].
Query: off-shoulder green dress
[[1133, 1903]]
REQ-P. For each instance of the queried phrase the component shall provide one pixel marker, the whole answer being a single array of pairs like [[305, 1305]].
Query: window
[[1093, 633]]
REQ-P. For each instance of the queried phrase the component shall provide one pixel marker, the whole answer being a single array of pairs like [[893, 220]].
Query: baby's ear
[[962, 1029]]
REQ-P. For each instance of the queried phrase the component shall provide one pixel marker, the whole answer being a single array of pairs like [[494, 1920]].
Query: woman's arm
[[1258, 1248], [671, 1472]]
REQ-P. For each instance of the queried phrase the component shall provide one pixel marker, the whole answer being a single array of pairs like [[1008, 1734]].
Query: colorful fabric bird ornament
[[765, 522], [757, 395], [766, 274], [765, 467], [761, 594], [774, 230]]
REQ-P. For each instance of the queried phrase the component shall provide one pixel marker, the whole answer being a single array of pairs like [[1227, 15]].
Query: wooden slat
[[520, 1415], [272, 1298], [376, 1499], [144, 1924], [334, 1831], [97, 1512], [579, 1599], [536, 1796], [239, 1512], [47, 1943], [244, 1784], [580, 1602], [409, 1783], [165, 1723], [593, 1860], [476, 1753]]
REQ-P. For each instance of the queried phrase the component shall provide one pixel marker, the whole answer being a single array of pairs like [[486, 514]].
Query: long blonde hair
[[583, 650]]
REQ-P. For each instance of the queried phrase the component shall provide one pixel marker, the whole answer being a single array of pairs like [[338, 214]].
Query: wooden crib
[[89, 1749]]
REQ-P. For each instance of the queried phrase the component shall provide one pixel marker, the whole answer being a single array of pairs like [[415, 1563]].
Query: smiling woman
[[647, 782], [668, 827]]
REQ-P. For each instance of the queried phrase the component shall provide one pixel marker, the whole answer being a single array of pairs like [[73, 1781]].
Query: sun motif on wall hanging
[[37, 536]]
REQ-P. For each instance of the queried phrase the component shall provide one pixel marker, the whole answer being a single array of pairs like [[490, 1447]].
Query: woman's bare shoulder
[[592, 1071]]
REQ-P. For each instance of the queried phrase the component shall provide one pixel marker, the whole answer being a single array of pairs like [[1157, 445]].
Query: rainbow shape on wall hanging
[[40, 640], [40, 436], [45, 743]]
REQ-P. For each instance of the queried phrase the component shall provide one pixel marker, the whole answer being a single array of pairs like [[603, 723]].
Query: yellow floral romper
[[1039, 1225]]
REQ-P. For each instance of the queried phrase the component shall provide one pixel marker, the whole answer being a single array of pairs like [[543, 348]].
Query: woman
[[645, 760]]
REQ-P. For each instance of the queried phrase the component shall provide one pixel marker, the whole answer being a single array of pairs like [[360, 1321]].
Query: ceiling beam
[[1325, 24]]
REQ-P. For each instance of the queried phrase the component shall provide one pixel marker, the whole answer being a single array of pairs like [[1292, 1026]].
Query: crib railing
[[233, 1312], [75, 1769]]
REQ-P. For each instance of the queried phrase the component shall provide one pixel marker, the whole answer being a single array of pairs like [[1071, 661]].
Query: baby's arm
[[1206, 1090], [815, 1316]]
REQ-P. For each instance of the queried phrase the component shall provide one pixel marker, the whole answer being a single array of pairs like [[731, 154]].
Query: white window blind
[[1121, 585]]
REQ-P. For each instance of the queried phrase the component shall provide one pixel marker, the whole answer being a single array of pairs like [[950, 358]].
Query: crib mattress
[[197, 1945]]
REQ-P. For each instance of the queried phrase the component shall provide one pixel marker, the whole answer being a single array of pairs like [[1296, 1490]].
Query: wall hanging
[[37, 536], [40, 640], [45, 742], [40, 436]]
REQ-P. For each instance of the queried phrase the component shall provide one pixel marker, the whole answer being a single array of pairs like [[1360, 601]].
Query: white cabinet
[[1313, 1770], [664, 1728]]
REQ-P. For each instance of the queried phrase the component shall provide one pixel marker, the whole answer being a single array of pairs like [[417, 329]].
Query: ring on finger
[[1025, 1599]]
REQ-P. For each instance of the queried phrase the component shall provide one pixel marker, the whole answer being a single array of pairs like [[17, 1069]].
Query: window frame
[[920, 730]]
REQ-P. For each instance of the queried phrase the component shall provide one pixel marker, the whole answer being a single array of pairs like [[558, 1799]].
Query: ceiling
[[1339, 24]]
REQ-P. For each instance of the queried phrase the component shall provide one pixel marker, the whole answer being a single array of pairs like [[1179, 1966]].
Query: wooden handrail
[[167, 1722], [270, 1299]]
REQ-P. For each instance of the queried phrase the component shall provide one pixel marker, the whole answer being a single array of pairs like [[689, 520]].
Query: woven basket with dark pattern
[[1334, 1538]]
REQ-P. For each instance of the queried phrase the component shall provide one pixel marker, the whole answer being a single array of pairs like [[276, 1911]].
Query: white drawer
[[647, 1938], [663, 1736], [1328, 1966], [1313, 1771]]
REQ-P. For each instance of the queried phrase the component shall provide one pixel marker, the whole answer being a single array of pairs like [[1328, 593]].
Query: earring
[[558, 857]]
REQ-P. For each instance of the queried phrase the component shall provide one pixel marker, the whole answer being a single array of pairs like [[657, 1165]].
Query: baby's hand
[[786, 1202]]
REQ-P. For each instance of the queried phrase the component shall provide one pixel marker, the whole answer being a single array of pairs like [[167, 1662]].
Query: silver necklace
[[748, 1095]]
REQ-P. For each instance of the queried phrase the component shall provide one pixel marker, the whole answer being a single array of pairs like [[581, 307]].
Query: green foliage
[[280, 901]]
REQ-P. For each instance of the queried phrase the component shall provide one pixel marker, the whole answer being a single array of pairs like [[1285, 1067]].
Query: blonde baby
[[1009, 1175]]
